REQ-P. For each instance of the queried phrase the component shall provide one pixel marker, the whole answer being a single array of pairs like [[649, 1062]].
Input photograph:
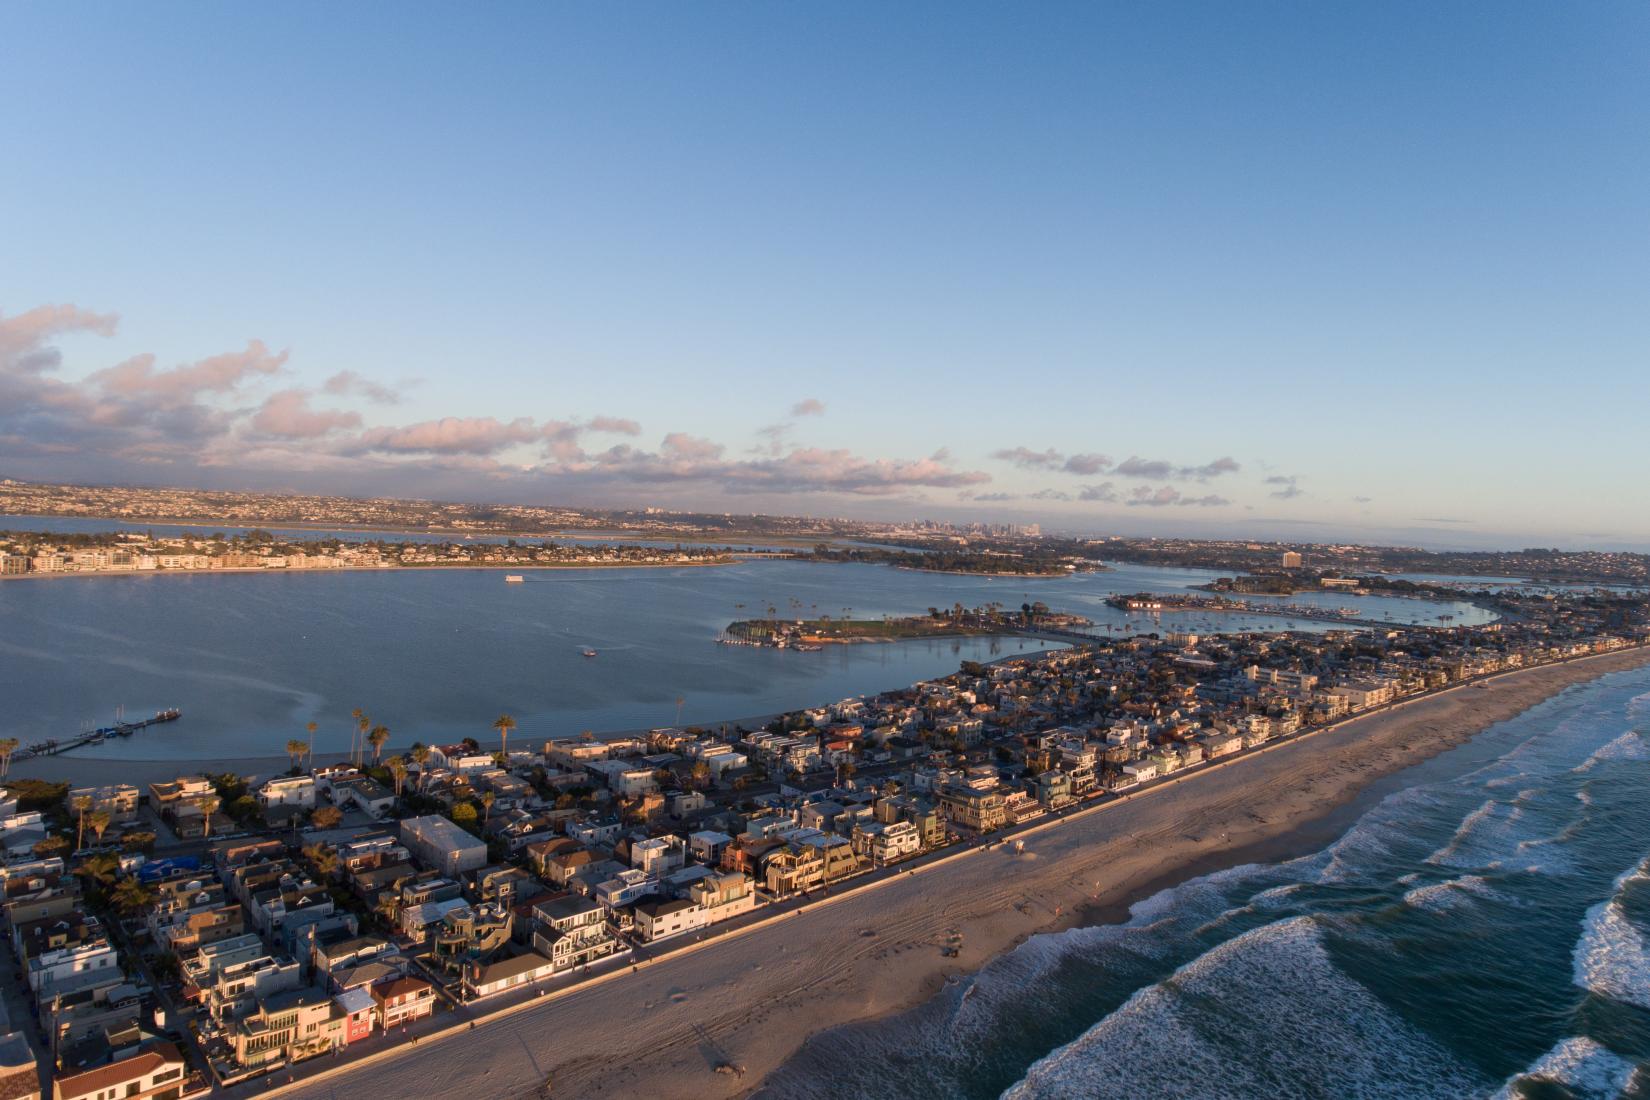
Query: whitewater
[[1484, 931]]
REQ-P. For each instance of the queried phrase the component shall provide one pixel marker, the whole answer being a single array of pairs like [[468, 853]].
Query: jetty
[[121, 728]]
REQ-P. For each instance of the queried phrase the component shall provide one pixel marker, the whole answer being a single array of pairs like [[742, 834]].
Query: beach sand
[[756, 997]]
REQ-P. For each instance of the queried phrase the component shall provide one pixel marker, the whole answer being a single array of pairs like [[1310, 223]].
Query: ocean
[[1483, 931]]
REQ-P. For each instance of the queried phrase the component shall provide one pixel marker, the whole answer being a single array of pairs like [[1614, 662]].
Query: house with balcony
[[297, 791], [200, 968], [572, 931], [240, 986], [974, 810], [288, 1026], [403, 1000], [118, 800]]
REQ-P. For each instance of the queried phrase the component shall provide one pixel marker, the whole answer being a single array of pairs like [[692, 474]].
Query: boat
[[589, 653], [513, 578]]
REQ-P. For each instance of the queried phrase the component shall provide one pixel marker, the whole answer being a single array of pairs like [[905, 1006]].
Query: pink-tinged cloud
[[1027, 459], [614, 425], [1157, 469], [689, 448], [808, 406], [218, 374], [347, 383], [288, 414], [209, 414], [1166, 495], [1104, 493], [1087, 465], [473, 435], [1083, 465], [23, 337]]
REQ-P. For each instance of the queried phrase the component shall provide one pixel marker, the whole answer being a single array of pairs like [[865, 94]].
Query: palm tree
[[312, 727], [421, 757], [81, 803], [360, 717], [208, 805], [376, 739], [398, 769], [487, 799], [294, 749], [504, 725], [7, 747], [99, 869], [100, 820], [358, 745], [130, 896]]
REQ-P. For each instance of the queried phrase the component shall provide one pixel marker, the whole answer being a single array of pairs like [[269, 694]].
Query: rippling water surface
[[1486, 934], [437, 654]]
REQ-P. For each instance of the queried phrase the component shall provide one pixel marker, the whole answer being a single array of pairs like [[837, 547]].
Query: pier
[[97, 736]]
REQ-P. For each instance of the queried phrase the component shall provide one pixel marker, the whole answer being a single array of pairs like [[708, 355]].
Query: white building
[[288, 790]]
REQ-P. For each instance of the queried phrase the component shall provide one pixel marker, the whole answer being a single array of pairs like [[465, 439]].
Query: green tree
[[8, 745], [487, 800], [323, 858], [294, 751], [464, 813], [326, 817]]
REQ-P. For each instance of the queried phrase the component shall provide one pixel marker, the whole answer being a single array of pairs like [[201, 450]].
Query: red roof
[[118, 1073]]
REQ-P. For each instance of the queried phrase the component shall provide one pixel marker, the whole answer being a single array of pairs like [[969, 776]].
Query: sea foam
[[1612, 958], [1265, 1014], [1585, 1068]]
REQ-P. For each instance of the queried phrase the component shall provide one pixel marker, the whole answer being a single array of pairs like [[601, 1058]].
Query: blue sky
[[1398, 253]]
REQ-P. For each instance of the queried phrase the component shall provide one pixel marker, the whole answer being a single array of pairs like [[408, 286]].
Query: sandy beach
[[756, 997]]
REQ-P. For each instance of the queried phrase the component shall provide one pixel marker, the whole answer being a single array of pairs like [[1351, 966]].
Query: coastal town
[[982, 547], [216, 933], [33, 554]]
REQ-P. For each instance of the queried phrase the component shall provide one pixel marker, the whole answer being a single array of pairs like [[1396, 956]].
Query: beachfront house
[[155, 1073]]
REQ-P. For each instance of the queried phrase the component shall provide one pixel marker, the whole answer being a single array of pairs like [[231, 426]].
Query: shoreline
[[757, 993], [305, 572], [581, 534]]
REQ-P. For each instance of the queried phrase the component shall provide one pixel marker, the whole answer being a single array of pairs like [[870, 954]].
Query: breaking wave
[[1612, 958], [1585, 1068], [1193, 1034]]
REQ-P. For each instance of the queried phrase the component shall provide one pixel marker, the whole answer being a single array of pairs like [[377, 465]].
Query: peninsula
[[417, 914]]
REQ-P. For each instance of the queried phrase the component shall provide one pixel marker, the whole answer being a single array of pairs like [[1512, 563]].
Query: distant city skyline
[[1374, 274]]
